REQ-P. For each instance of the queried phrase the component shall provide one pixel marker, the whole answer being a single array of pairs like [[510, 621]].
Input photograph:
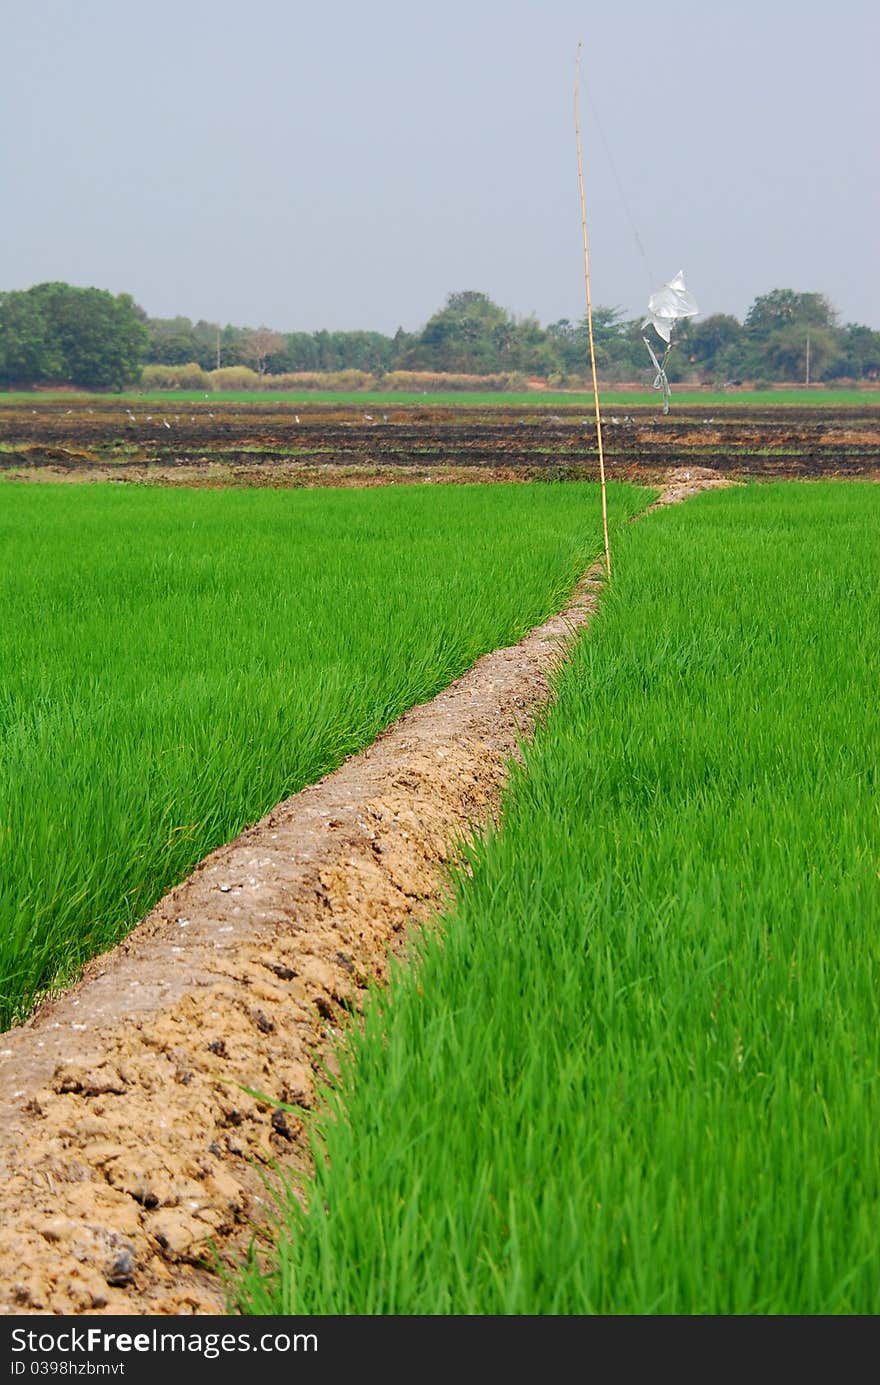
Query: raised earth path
[[132, 1146]]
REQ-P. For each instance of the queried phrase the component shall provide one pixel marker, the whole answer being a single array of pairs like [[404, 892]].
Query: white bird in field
[[296, 418]]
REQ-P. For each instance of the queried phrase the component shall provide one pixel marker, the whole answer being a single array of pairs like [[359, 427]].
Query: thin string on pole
[[580, 167], [672, 301], [649, 273]]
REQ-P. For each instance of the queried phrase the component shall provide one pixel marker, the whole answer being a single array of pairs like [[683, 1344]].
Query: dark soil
[[277, 444]]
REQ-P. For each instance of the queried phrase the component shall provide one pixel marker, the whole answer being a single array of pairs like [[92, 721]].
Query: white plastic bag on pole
[[668, 304]]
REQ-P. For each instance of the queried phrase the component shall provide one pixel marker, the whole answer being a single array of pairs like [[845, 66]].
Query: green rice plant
[[174, 663], [539, 400], [636, 1068]]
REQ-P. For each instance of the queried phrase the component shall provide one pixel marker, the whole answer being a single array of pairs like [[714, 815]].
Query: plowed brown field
[[284, 444]]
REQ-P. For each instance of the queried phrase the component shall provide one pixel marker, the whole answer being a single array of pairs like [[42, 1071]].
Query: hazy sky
[[349, 165]]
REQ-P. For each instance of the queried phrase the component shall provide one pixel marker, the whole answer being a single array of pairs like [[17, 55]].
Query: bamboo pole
[[580, 165]]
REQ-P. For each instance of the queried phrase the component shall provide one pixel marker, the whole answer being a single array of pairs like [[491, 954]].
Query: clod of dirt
[[684, 481]]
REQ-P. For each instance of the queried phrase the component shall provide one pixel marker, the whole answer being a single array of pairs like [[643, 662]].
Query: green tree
[[859, 353], [28, 354], [171, 341], [177, 341], [787, 351], [470, 334], [230, 345], [784, 308], [570, 342], [401, 343], [529, 349], [777, 329], [206, 341], [370, 351], [300, 351], [98, 340], [713, 344]]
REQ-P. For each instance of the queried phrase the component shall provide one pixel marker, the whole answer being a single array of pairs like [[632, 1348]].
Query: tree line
[[55, 334]]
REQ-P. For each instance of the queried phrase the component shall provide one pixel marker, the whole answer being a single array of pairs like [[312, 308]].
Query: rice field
[[174, 663], [634, 1070], [817, 397]]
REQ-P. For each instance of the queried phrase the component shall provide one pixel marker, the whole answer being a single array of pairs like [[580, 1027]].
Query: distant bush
[[175, 377], [443, 380], [321, 380], [566, 380], [233, 378]]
